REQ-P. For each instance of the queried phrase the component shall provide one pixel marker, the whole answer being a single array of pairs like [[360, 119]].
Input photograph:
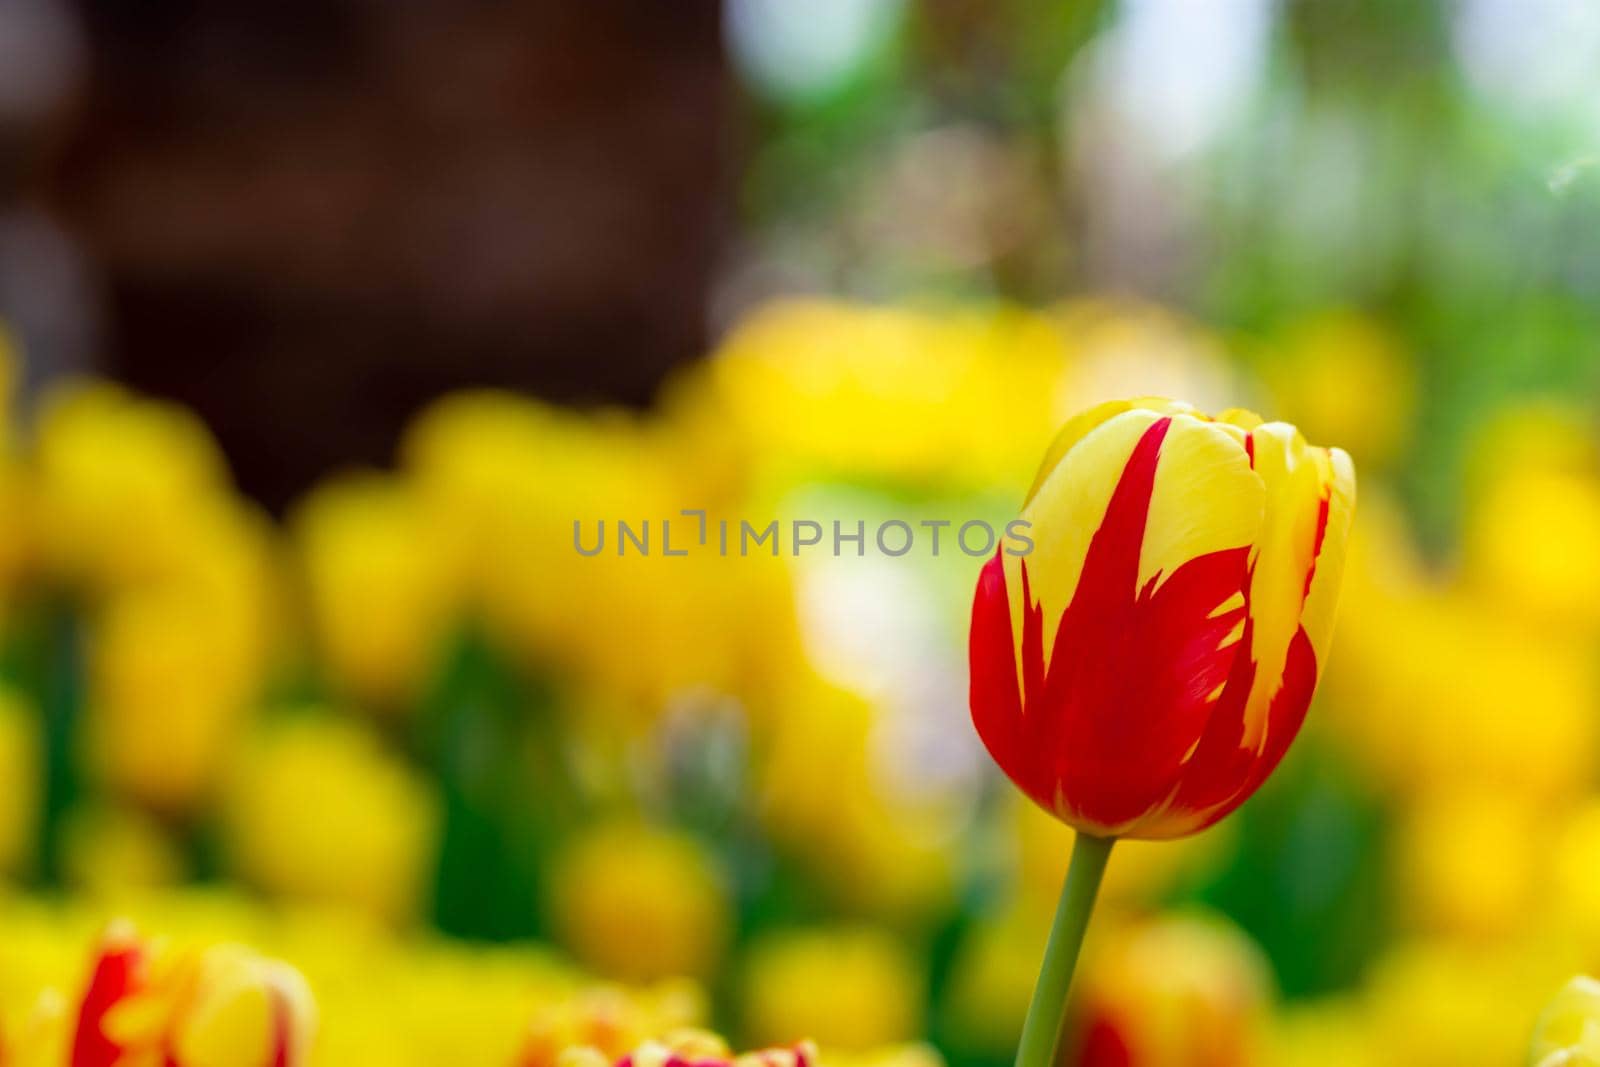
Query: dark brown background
[[437, 195]]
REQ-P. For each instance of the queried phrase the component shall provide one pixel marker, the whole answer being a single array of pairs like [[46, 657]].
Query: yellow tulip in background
[[638, 904], [381, 591], [317, 810]]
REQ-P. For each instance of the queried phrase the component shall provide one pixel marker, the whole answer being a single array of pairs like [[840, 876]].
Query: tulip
[[699, 1048], [379, 588], [223, 1007], [1178, 991], [319, 810], [601, 1024], [667, 884], [690, 1048], [1144, 667]]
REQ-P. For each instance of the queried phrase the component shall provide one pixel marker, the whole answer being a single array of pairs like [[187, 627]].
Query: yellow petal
[[1206, 498], [232, 1028], [1283, 558], [1077, 427], [1321, 602]]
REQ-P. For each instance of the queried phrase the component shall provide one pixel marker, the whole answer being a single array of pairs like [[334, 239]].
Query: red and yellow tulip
[[1145, 666], [1146, 643], [1178, 991], [224, 1007]]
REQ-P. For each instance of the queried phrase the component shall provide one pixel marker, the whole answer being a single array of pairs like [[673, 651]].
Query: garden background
[[326, 321]]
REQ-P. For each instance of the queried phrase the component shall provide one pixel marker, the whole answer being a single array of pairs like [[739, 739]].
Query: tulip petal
[[1323, 597], [1077, 427], [116, 975], [1285, 556], [995, 700], [1206, 498]]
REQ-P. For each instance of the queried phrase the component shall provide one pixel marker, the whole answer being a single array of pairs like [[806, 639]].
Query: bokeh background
[[325, 321]]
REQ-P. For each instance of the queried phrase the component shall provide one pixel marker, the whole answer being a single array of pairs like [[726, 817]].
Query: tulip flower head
[[224, 1007], [1143, 669], [691, 1048]]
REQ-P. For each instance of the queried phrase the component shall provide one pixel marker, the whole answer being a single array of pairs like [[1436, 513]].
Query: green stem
[[1041, 1033]]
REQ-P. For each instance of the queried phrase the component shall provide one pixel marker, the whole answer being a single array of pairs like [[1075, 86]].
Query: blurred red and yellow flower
[[1181, 991], [223, 1007], [1145, 666]]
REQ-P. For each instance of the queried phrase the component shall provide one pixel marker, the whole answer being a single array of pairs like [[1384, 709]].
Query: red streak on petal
[[282, 1030], [1316, 544], [1223, 773], [117, 974], [1287, 712]]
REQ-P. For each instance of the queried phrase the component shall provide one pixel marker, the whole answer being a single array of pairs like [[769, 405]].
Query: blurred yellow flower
[[380, 587], [1574, 860], [1444, 1004], [1173, 992], [1440, 687], [811, 389], [318, 810], [507, 479], [851, 988], [1530, 543], [1543, 434], [1341, 376], [1449, 883], [637, 903], [176, 666], [1568, 1031], [118, 477]]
